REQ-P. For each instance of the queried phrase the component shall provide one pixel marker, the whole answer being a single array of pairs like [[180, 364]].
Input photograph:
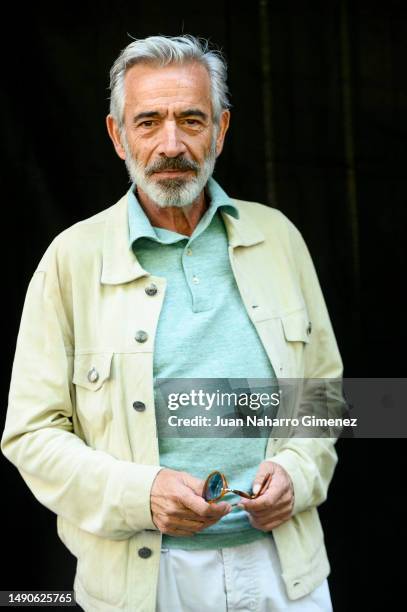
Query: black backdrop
[[318, 130]]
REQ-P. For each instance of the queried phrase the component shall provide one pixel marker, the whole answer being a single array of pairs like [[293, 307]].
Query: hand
[[275, 505], [177, 505]]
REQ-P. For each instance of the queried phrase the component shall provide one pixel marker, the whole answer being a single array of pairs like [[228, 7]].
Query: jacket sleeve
[[92, 489], [310, 462]]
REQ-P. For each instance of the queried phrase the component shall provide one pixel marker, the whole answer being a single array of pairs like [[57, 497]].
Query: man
[[176, 280]]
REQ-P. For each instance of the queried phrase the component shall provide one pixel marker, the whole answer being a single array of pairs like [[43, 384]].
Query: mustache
[[171, 163]]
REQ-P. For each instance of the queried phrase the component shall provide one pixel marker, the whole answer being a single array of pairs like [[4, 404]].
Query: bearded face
[[168, 135], [156, 181]]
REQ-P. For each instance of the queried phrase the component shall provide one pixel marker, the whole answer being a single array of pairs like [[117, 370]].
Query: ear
[[114, 134], [222, 129]]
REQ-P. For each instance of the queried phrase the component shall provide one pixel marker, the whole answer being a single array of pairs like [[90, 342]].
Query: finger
[[184, 512], [266, 469], [269, 526], [180, 511], [214, 512], [178, 532], [271, 512], [264, 502], [269, 523], [168, 524], [196, 484], [277, 490], [210, 512], [279, 516], [184, 524], [282, 504], [200, 507], [174, 509]]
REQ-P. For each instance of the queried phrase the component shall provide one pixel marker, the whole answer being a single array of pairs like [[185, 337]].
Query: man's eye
[[148, 123], [192, 121]]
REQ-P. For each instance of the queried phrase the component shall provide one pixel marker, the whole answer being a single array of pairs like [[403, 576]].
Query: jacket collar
[[120, 265], [242, 231]]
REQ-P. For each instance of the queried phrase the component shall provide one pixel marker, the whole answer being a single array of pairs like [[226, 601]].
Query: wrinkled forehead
[[150, 87]]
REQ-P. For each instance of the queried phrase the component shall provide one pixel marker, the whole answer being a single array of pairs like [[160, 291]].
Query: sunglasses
[[216, 487]]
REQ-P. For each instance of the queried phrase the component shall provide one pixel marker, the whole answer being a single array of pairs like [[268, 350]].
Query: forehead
[[148, 87]]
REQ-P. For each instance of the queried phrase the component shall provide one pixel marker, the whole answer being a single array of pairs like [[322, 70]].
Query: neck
[[181, 220]]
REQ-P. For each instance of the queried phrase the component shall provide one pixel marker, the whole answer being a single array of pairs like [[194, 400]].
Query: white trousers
[[245, 578]]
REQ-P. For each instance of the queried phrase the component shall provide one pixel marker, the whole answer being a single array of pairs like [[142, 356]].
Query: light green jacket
[[71, 428]]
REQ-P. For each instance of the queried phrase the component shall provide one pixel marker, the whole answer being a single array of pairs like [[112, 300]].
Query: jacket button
[[145, 552], [141, 336], [139, 406], [93, 375], [151, 289]]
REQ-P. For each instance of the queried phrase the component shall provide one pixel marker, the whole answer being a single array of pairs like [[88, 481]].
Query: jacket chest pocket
[[284, 338], [297, 329], [92, 379]]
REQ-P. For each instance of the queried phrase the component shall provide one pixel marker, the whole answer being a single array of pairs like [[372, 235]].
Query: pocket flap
[[91, 370], [297, 327]]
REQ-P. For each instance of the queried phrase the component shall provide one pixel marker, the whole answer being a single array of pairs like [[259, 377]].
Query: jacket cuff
[[136, 496], [289, 461]]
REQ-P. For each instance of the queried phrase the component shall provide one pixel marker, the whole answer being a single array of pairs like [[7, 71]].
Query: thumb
[[265, 467], [196, 484]]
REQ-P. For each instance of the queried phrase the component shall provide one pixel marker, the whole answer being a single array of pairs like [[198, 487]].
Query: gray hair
[[165, 50]]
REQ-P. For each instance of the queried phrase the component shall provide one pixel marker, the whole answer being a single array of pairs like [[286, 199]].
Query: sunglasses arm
[[241, 493]]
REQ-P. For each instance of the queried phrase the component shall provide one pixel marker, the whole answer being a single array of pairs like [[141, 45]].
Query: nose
[[171, 144]]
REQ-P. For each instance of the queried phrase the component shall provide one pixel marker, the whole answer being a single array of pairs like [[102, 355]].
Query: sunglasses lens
[[214, 487]]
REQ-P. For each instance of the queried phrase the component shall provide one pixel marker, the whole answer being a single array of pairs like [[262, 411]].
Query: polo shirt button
[[139, 406], [141, 336], [195, 280], [151, 289], [309, 328], [145, 552]]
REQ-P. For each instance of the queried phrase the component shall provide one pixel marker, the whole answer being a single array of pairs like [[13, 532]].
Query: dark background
[[318, 130]]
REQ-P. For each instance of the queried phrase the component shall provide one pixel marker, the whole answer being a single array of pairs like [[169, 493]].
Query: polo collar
[[120, 264], [140, 225]]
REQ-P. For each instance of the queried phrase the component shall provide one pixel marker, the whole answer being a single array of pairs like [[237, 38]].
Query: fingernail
[[256, 488]]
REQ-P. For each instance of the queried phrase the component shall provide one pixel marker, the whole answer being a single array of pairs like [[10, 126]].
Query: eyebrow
[[194, 112], [146, 115]]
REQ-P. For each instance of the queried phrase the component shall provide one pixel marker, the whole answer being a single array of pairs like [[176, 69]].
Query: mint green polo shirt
[[203, 331]]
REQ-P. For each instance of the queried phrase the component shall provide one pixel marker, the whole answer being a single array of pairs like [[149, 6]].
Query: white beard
[[178, 191]]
